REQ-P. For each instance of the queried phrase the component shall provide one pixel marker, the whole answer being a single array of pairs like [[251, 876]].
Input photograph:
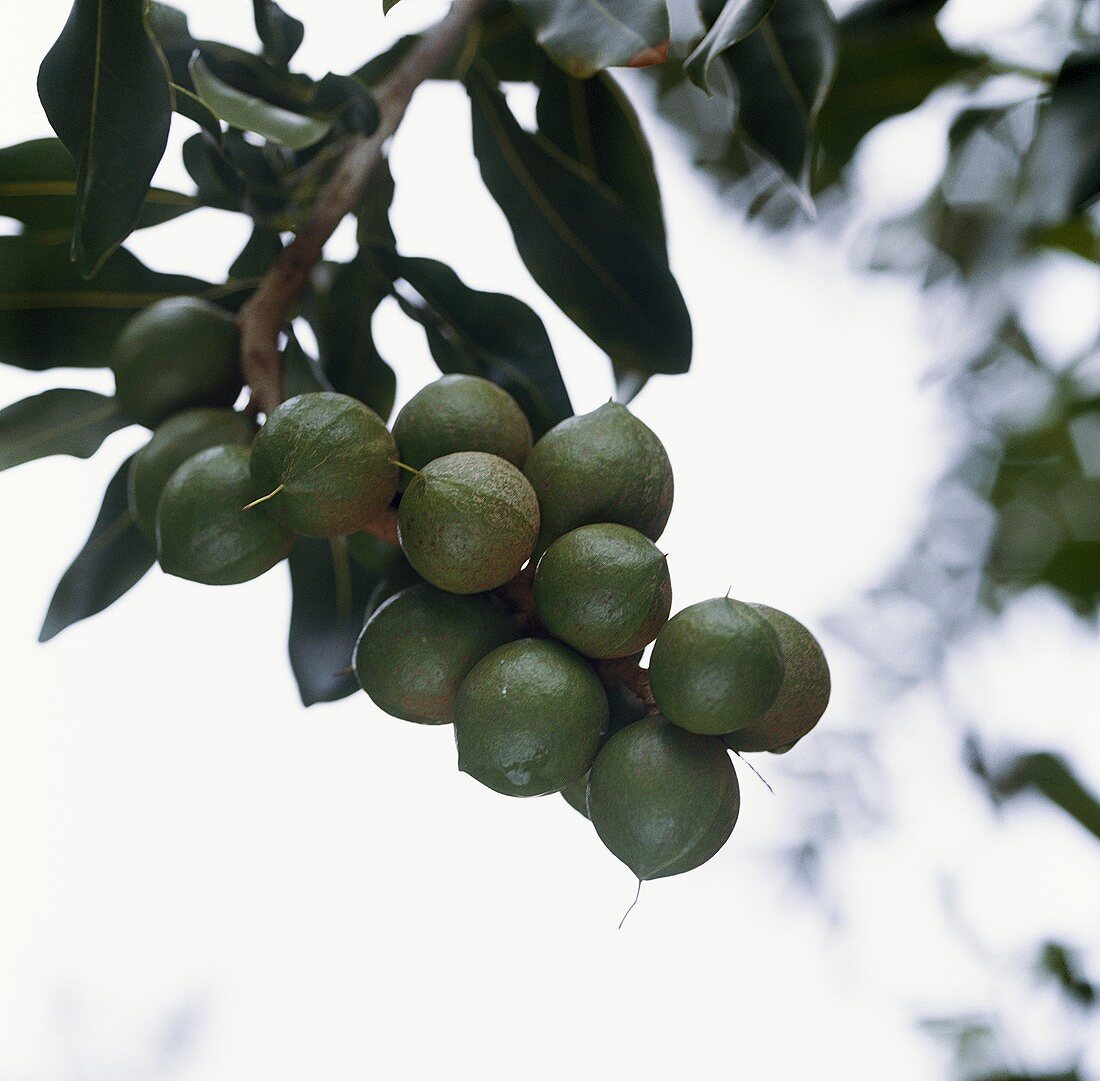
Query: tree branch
[[263, 315]]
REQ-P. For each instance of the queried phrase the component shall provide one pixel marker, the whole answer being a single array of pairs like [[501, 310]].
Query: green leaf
[[891, 58], [60, 421], [50, 317], [280, 33], [592, 122], [38, 188], [347, 298], [232, 174], [1052, 777], [734, 21], [1062, 170], [1077, 235], [114, 558], [389, 5], [330, 597], [263, 248], [489, 334], [105, 91], [580, 245], [248, 113], [783, 73], [244, 70], [585, 36], [301, 373]]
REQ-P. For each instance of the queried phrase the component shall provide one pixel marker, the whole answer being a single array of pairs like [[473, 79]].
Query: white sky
[[320, 894]]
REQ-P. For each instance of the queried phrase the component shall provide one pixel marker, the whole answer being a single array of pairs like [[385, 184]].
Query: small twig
[[263, 315]]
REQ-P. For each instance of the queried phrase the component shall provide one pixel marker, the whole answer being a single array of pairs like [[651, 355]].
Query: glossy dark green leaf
[[783, 72], [891, 58], [251, 74], [114, 558], [592, 122], [489, 334], [38, 188], [168, 25], [330, 596], [105, 91], [580, 245], [59, 421], [280, 33], [347, 298], [1051, 776], [302, 373], [51, 317], [1062, 171], [586, 36], [730, 23], [246, 112]]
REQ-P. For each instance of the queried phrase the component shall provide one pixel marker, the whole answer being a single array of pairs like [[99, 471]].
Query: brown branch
[[264, 314]]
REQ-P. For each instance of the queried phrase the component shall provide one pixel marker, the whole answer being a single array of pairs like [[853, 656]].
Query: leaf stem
[[264, 313], [263, 498]]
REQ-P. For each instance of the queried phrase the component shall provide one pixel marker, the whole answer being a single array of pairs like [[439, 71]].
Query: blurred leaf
[[50, 317], [280, 33], [219, 182], [1052, 777], [1076, 235], [892, 57], [374, 213], [59, 421], [105, 91], [580, 245], [585, 36], [342, 319], [376, 69], [232, 174], [347, 103], [263, 248], [508, 48], [114, 558], [489, 334], [249, 113], [38, 188], [783, 73], [1064, 966], [330, 596], [591, 122], [1062, 170], [730, 23]]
